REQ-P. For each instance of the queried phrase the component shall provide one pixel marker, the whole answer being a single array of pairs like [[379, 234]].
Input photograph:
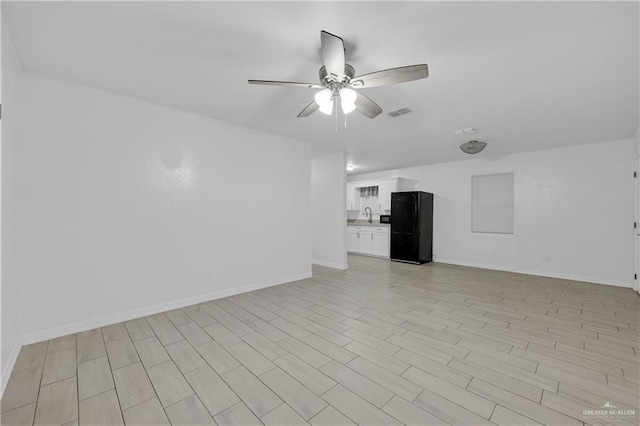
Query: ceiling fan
[[338, 83]]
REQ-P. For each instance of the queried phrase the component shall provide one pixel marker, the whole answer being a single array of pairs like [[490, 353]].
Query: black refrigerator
[[412, 227]]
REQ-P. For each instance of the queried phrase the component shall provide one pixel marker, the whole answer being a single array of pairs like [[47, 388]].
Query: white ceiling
[[528, 75]]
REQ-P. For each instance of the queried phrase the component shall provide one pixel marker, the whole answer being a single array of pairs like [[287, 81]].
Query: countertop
[[365, 223]]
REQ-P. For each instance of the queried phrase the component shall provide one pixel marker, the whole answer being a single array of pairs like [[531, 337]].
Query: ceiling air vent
[[397, 113]]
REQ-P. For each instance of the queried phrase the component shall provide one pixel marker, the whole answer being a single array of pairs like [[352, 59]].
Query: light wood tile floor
[[381, 343]]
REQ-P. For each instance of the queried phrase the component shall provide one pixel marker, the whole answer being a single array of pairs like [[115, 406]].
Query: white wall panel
[[127, 207], [11, 329], [328, 211]]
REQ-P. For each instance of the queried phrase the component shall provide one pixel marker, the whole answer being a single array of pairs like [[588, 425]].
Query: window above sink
[[373, 194]]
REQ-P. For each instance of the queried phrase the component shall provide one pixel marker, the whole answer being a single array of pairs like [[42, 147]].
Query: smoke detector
[[473, 147], [465, 131]]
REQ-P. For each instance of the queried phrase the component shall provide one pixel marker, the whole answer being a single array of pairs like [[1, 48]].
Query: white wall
[[10, 293], [573, 211], [128, 208], [328, 211]]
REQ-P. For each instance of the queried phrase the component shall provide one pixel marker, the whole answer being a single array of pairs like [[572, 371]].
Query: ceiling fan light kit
[[337, 81]]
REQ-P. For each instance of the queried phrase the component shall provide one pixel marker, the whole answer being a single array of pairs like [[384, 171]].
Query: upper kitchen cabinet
[[354, 201], [384, 193]]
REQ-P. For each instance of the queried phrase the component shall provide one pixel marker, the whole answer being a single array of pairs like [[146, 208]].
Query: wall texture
[[127, 208], [573, 212], [328, 213]]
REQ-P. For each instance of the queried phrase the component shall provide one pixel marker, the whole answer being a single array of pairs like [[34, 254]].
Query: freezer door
[[404, 212], [405, 247]]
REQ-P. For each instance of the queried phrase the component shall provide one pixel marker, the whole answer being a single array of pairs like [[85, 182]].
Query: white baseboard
[[8, 368], [330, 264], [368, 255], [77, 327], [537, 273]]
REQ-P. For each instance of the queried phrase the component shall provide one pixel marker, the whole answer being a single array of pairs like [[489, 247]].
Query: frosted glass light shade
[[327, 108], [323, 97], [348, 95], [347, 107], [324, 100], [347, 99]]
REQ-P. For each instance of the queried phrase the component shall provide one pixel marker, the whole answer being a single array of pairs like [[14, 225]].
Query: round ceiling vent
[[473, 147]]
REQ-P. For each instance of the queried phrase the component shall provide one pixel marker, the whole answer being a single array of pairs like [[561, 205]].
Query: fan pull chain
[[335, 107]]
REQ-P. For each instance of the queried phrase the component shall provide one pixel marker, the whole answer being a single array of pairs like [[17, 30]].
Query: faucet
[[369, 215]]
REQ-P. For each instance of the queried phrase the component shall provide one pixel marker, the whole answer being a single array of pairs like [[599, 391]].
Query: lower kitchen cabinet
[[364, 241], [352, 241], [369, 240], [380, 244]]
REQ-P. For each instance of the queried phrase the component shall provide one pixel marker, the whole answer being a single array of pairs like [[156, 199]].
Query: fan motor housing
[[326, 80]]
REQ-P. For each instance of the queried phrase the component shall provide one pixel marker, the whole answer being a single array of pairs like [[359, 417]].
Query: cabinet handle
[[372, 236]]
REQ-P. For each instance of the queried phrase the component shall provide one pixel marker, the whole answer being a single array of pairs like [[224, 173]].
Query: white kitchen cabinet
[[365, 240], [353, 197], [384, 193], [368, 240], [352, 240], [380, 243]]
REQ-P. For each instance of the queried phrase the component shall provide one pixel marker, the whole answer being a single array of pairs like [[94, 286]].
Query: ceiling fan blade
[[310, 109], [391, 76], [367, 107], [333, 55], [286, 83]]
